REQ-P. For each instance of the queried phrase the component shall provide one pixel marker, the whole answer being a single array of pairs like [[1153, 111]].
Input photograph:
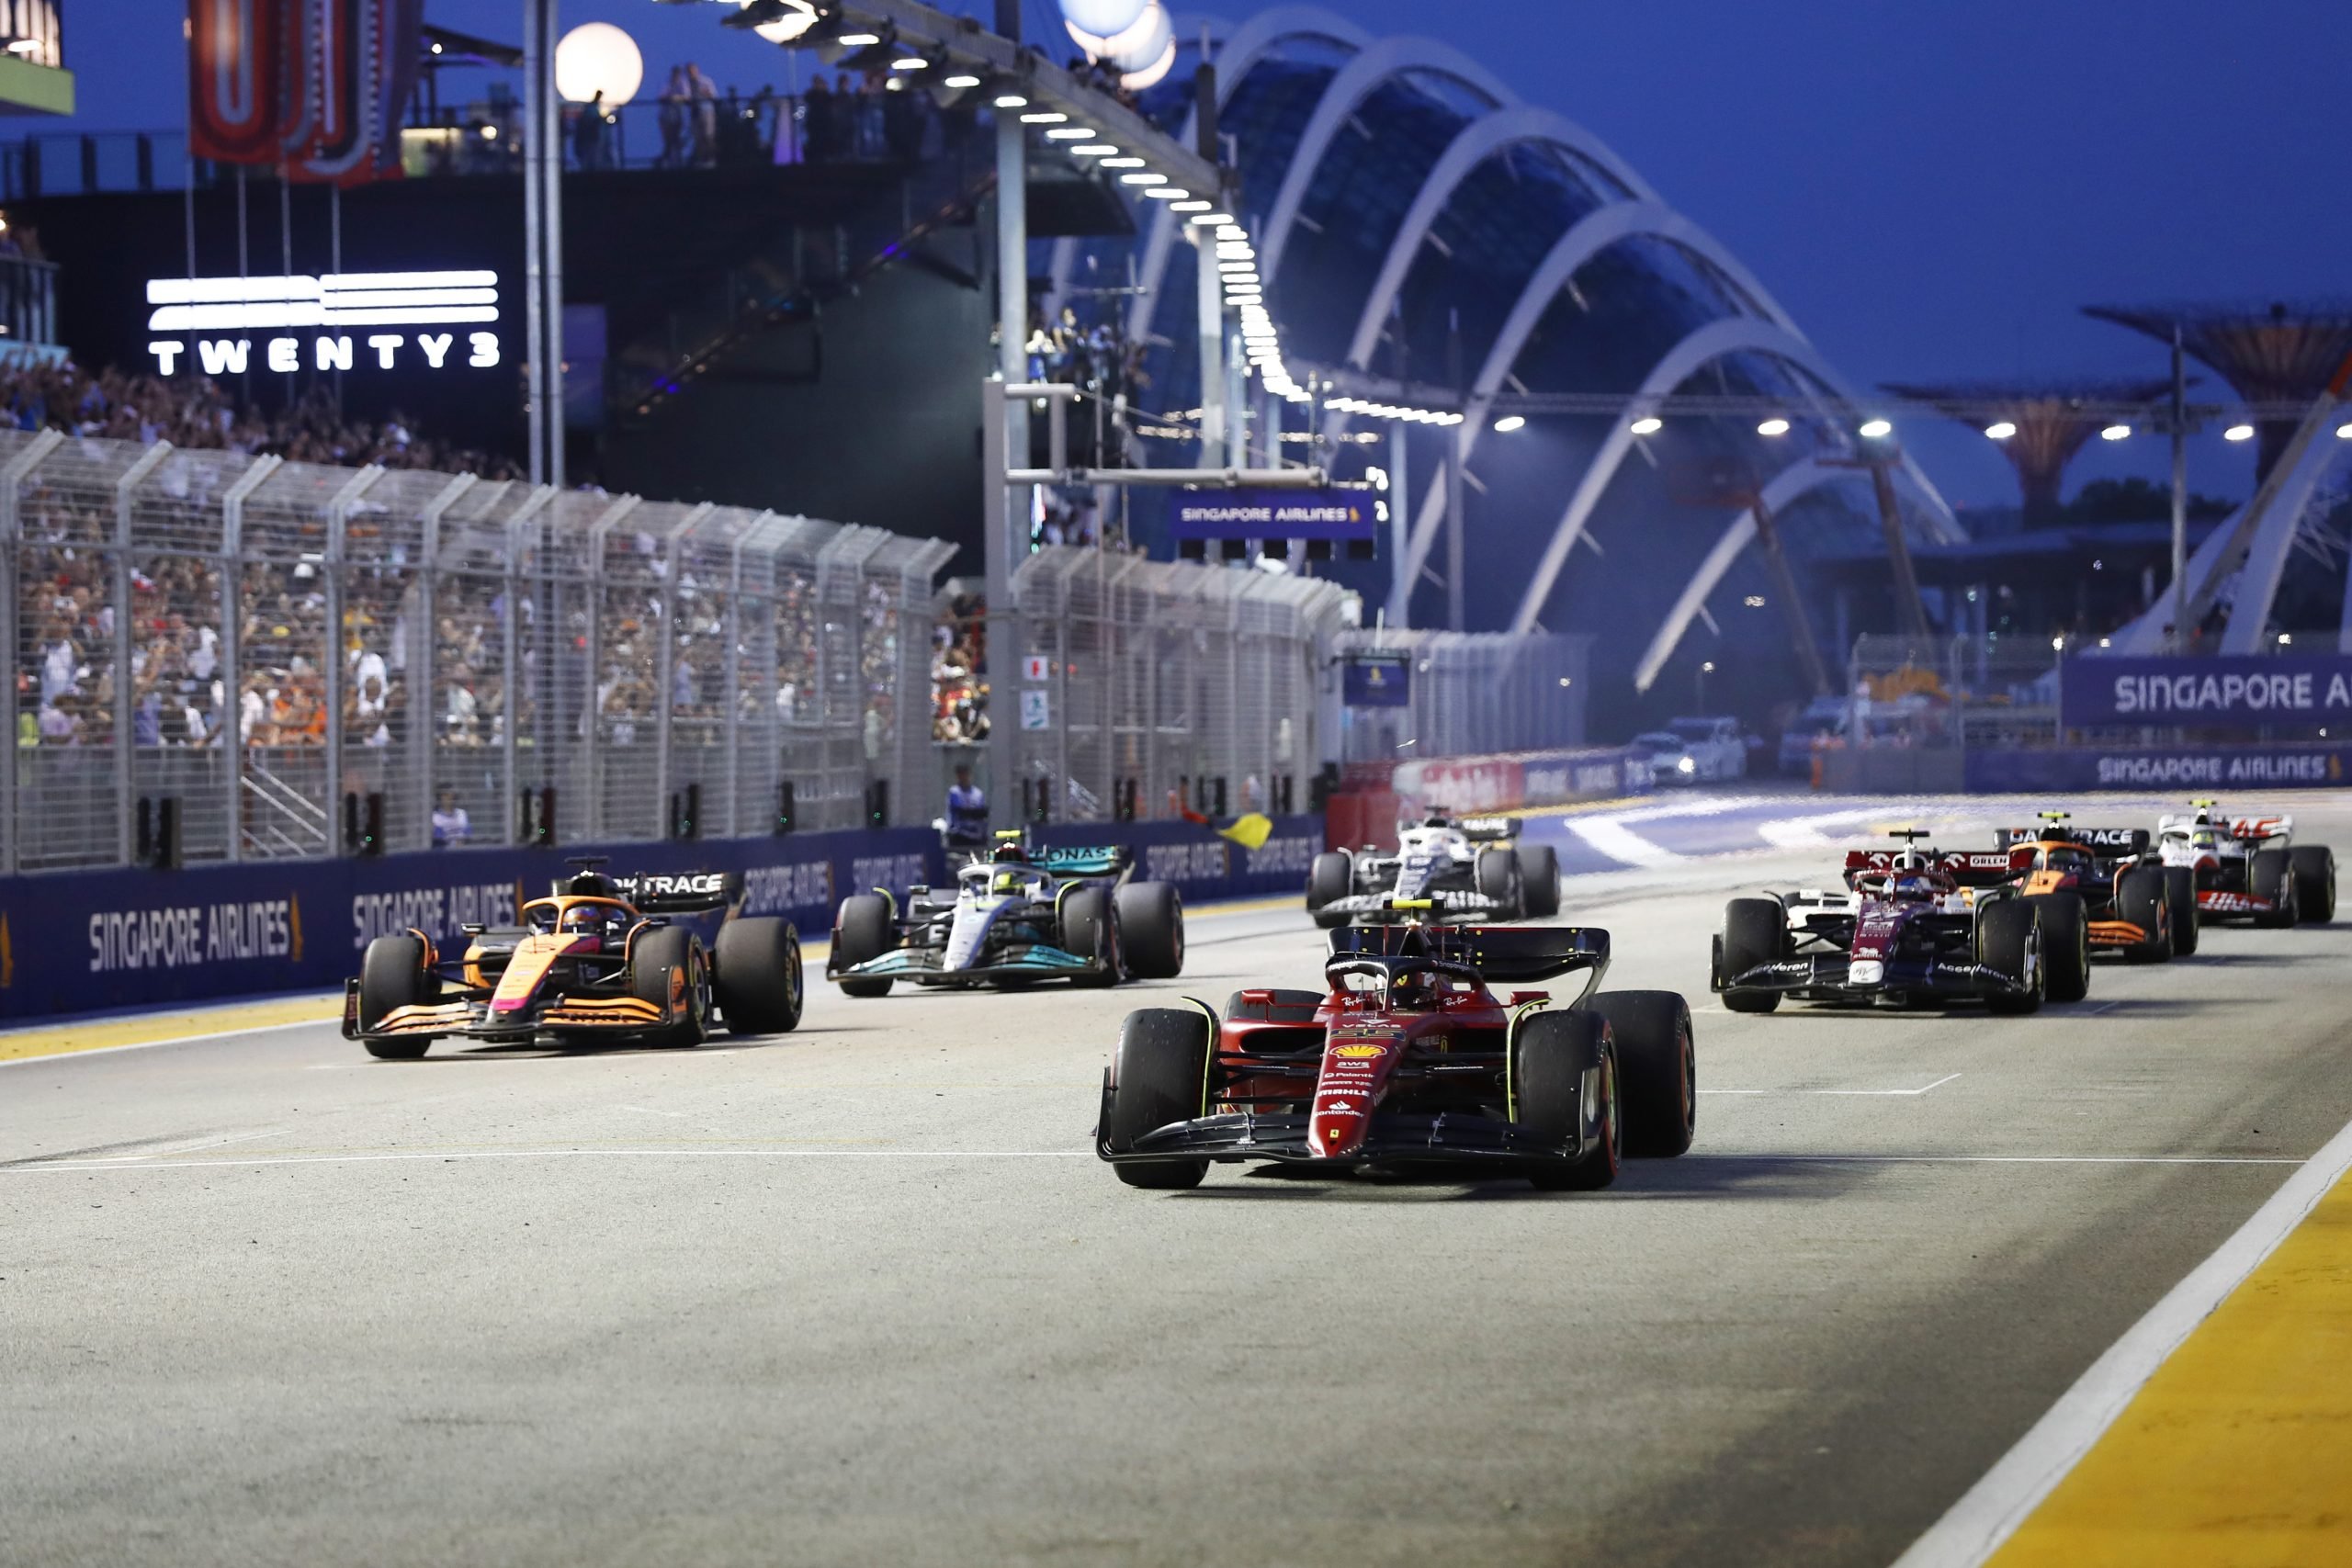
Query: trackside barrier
[[2041, 769], [1469, 784], [135, 937]]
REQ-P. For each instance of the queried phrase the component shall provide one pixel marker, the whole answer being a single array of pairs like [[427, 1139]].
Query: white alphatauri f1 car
[[2249, 867], [1442, 868]]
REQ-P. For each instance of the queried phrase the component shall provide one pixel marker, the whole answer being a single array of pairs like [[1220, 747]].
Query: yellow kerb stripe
[[2239, 1449]]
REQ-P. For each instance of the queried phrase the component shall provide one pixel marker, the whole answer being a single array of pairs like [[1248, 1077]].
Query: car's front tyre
[[864, 930], [391, 976], [757, 975], [1160, 1076]]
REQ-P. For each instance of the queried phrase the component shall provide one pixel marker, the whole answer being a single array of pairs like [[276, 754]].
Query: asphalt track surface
[[861, 1294]]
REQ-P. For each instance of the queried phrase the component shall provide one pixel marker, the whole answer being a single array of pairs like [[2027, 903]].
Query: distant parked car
[[1810, 731], [1695, 751]]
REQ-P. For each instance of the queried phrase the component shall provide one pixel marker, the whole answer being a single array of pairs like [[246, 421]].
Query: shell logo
[[1358, 1053]]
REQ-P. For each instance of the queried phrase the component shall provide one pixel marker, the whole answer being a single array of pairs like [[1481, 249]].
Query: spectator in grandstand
[[705, 125], [674, 98], [450, 823], [967, 811], [588, 133]]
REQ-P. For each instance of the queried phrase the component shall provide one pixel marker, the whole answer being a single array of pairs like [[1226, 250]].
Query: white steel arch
[[1733, 334], [1479, 141], [1783, 490], [1251, 42], [1357, 81], [1595, 233]]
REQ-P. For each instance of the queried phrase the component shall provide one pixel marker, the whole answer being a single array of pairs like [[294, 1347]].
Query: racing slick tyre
[[1539, 879], [392, 975], [864, 931], [2314, 866], [1089, 929], [1160, 1076], [1755, 933], [1151, 929], [2067, 944], [2008, 939], [1498, 874], [653, 957], [756, 973], [2272, 875], [1332, 876], [2144, 896], [2180, 887], [1550, 1055], [1657, 1070]]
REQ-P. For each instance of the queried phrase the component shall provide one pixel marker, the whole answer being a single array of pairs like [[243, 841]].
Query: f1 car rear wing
[[1968, 868], [684, 893], [2111, 842], [1512, 956], [1094, 860]]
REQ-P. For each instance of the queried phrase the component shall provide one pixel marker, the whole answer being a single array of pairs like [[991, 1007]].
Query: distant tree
[[2137, 501]]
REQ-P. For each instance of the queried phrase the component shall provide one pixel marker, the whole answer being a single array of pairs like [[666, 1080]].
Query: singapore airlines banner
[[2207, 693], [313, 87]]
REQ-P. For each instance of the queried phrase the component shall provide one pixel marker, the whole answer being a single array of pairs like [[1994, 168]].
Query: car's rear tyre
[[1755, 933], [1658, 1067], [865, 929], [2180, 887], [757, 974], [1160, 1076], [1539, 879], [392, 975], [2144, 896], [652, 958], [1551, 1055], [2065, 944], [2314, 866], [1089, 929], [2008, 940], [2272, 875], [1497, 877], [1332, 876], [1151, 929]]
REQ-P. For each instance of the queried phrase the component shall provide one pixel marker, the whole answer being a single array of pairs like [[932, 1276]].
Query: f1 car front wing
[[1840, 976]]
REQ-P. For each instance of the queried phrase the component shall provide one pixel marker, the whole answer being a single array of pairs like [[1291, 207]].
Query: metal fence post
[[509, 631], [330, 571], [592, 782], [125, 697], [421, 659], [12, 479], [665, 659], [232, 647]]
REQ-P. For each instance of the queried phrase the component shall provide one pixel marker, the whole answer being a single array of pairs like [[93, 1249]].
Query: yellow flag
[[1250, 830]]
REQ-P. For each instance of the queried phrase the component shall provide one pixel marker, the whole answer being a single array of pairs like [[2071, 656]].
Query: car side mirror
[[1521, 999]]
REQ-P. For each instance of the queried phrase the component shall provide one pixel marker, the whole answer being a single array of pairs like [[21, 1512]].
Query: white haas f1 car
[[1469, 869], [2250, 868], [1018, 916]]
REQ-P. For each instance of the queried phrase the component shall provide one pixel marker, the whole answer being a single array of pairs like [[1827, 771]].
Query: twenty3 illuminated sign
[[338, 314]]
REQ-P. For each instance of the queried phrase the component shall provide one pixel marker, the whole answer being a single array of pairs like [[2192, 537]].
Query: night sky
[[1932, 189]]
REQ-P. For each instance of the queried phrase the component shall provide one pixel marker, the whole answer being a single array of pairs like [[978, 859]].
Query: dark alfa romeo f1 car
[[644, 960], [1469, 869], [2133, 903], [2249, 867], [1913, 924], [1018, 916], [1406, 1060]]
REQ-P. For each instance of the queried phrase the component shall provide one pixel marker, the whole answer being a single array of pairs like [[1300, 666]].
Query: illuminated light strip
[[309, 313], [301, 286], [365, 299]]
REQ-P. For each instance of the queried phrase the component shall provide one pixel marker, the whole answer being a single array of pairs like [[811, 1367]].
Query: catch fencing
[[1472, 694], [407, 659], [1158, 685]]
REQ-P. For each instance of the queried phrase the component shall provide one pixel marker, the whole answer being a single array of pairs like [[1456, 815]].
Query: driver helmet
[[1005, 882], [1911, 885]]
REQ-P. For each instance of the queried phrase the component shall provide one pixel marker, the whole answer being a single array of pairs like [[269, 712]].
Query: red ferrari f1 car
[[1406, 1060]]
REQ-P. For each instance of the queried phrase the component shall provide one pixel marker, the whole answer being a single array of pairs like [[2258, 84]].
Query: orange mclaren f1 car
[[644, 960], [2131, 901]]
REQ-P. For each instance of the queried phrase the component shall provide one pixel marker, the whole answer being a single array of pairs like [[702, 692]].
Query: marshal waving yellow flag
[[1250, 830]]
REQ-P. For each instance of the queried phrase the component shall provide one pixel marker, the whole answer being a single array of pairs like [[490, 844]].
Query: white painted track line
[[1975, 1527]]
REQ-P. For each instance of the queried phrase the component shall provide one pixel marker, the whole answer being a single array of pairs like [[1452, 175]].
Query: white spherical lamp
[[597, 57], [1153, 74], [1141, 45], [1102, 19]]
